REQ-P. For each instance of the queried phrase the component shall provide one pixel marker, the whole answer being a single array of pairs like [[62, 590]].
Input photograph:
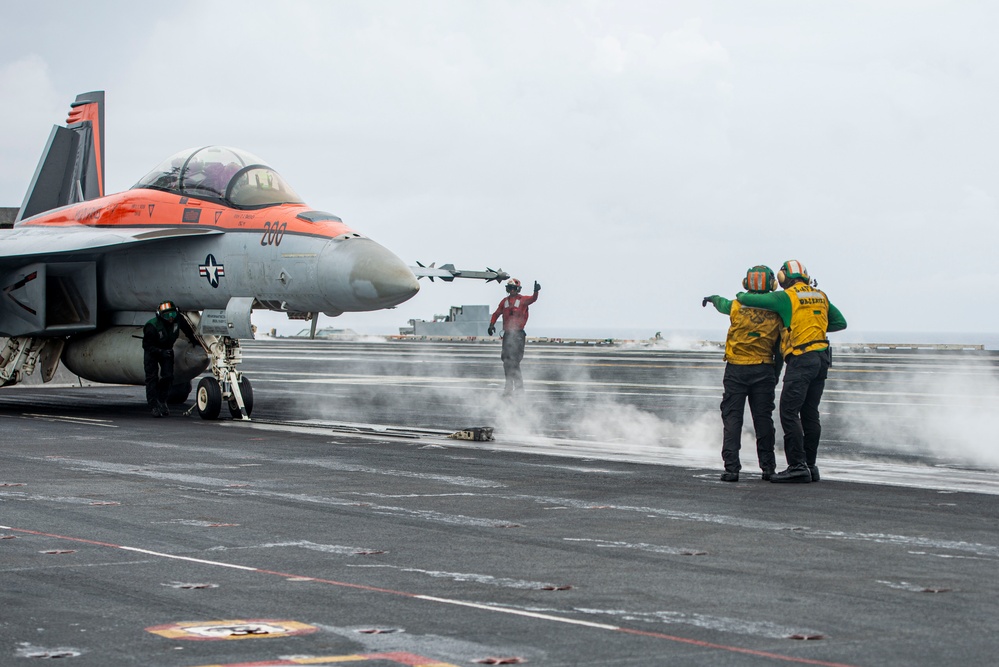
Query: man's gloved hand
[[491, 330], [537, 286], [704, 301]]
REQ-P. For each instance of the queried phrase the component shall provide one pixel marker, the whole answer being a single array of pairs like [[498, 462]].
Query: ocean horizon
[[990, 340]]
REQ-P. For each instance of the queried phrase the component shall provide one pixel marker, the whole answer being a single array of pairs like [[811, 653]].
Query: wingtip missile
[[500, 276], [448, 272], [421, 274]]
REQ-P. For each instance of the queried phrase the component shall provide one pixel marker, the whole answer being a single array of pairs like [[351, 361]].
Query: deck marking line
[[734, 649], [188, 558], [461, 603], [519, 612]]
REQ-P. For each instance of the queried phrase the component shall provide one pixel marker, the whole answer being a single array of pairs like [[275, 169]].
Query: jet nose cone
[[358, 274]]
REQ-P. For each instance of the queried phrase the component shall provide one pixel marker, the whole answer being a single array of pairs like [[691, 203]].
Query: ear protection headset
[[759, 279]]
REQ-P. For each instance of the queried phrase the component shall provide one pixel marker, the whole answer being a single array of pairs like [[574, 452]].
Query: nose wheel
[[209, 398], [246, 391]]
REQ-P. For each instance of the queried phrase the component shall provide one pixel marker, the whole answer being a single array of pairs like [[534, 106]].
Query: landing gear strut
[[21, 354]]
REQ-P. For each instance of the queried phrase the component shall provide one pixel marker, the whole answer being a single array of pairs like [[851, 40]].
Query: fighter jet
[[213, 229]]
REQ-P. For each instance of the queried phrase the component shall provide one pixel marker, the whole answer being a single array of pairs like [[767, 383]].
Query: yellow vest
[[809, 320], [751, 336]]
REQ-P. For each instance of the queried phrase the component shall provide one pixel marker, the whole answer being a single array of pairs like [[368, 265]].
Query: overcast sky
[[631, 156]]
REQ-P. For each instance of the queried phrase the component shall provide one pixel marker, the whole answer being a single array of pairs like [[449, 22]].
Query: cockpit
[[223, 175]]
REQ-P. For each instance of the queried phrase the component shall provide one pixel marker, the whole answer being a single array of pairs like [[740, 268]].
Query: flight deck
[[343, 523]]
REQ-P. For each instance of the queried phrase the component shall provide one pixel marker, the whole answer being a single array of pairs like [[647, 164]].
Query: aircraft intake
[[357, 274]]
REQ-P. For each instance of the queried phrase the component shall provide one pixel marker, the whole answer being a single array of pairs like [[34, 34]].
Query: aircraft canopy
[[225, 175]]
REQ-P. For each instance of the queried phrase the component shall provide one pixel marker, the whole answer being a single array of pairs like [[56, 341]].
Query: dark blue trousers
[[804, 381], [158, 365], [756, 384]]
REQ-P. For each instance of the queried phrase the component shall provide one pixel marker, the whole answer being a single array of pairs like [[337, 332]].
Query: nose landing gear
[[227, 384]]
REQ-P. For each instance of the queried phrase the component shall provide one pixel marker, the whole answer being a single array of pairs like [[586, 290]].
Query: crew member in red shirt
[[514, 311]]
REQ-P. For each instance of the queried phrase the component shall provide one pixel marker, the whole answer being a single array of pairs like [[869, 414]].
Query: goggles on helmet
[[167, 310]]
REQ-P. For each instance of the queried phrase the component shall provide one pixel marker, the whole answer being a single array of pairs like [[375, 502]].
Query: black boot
[[767, 474], [729, 476], [814, 471], [793, 475]]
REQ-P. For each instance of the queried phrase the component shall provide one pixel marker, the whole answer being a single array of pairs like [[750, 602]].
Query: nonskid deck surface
[[342, 523]]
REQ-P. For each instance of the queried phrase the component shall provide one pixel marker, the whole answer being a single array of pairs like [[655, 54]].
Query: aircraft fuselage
[[200, 254]]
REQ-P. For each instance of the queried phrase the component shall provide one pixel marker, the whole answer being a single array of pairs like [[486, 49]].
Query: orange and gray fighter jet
[[213, 229]]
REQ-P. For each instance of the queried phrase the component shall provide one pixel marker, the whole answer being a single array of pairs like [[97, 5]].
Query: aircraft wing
[[23, 244], [48, 277]]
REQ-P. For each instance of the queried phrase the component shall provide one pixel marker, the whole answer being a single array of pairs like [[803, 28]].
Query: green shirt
[[780, 303], [721, 304]]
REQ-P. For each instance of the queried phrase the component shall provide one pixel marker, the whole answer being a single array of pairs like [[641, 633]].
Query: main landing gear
[[21, 354]]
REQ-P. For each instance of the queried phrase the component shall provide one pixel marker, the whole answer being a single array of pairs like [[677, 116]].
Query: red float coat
[[513, 310]]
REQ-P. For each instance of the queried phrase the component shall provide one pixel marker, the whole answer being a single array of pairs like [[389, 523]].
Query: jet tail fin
[[71, 168]]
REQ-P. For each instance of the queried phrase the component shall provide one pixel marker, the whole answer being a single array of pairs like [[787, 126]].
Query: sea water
[[989, 340]]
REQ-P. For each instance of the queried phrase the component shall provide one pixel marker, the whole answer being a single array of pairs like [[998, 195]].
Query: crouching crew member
[[753, 362], [808, 316], [158, 336], [514, 311]]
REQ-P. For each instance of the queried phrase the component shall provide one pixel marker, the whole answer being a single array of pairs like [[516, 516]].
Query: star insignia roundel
[[212, 270]]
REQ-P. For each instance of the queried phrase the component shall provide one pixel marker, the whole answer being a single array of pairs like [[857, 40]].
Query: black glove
[[491, 330], [537, 286], [704, 301]]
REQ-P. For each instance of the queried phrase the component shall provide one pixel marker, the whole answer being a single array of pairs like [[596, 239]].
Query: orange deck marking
[[231, 629]]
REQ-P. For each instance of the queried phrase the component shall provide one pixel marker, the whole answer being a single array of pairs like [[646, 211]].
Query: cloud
[[631, 156], [30, 101]]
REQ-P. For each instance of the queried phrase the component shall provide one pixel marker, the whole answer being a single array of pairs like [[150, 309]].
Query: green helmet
[[760, 279]]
